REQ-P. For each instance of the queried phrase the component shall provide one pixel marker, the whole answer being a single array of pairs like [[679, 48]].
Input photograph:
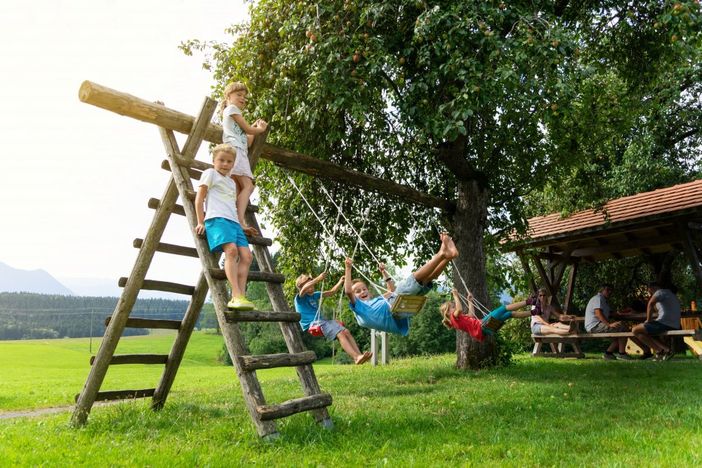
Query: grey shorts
[[536, 328], [602, 328], [331, 328], [410, 287]]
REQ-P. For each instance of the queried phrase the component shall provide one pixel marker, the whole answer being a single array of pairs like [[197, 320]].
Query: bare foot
[[250, 231], [363, 358], [448, 249]]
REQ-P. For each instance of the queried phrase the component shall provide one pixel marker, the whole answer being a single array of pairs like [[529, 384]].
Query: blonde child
[[453, 317], [307, 305], [239, 134], [215, 205]]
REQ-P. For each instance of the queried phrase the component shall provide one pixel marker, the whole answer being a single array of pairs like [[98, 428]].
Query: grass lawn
[[415, 412]]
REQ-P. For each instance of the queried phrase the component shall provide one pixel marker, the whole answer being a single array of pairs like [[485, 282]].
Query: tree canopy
[[490, 104]]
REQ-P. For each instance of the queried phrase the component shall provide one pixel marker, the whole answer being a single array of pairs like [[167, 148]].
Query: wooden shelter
[[651, 224]]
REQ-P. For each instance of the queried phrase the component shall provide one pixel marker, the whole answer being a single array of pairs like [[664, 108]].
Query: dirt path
[[45, 411]]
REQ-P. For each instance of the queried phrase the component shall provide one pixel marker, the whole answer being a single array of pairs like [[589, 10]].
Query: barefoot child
[[239, 134], [375, 312], [307, 304], [220, 222]]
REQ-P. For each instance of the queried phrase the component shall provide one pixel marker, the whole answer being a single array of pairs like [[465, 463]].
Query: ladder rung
[[194, 174], [269, 361], [298, 405], [122, 394], [258, 316], [162, 286], [169, 248], [218, 273], [138, 322], [135, 359], [154, 203], [194, 163]]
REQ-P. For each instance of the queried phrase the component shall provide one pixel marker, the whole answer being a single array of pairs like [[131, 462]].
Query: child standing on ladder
[[375, 312], [239, 134], [307, 304], [215, 206]]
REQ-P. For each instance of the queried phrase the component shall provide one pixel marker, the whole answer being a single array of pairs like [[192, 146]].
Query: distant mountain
[[36, 281]]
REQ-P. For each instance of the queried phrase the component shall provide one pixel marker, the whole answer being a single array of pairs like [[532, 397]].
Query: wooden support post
[[691, 253], [525, 264], [146, 111], [570, 288]]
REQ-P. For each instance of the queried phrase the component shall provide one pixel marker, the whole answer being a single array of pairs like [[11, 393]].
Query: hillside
[[36, 281]]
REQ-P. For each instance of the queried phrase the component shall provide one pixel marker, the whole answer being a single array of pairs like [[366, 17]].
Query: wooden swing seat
[[493, 324], [406, 304]]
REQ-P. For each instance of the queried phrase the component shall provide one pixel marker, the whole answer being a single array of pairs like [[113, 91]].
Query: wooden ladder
[[183, 167]]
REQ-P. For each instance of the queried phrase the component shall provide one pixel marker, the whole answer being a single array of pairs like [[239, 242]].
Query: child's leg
[[516, 305], [230, 267], [436, 265], [246, 188], [242, 270], [555, 329], [349, 345]]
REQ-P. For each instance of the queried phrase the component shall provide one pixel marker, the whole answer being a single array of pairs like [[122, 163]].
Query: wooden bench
[[558, 342]]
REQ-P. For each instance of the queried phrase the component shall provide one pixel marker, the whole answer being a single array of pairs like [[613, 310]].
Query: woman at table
[[543, 311]]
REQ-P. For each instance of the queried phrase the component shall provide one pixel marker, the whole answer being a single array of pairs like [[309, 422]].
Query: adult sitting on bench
[[667, 305], [597, 321]]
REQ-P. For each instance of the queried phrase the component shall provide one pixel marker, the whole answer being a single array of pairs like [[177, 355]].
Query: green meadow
[[414, 412]]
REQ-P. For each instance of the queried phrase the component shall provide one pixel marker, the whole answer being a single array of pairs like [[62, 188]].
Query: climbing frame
[[183, 167]]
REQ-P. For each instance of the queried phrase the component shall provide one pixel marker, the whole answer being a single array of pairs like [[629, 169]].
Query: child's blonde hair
[[223, 148], [229, 89], [302, 280], [445, 310]]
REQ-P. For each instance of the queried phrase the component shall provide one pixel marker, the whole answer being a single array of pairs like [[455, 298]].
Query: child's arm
[[458, 309], [334, 289], [471, 306], [255, 129], [348, 285], [309, 287], [200, 209], [389, 282]]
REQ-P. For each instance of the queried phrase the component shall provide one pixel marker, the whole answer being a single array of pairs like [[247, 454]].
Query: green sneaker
[[240, 303]]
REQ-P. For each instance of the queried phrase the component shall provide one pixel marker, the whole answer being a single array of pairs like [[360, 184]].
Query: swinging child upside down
[[375, 312]]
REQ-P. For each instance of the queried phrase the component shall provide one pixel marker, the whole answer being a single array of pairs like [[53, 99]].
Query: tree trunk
[[469, 224]]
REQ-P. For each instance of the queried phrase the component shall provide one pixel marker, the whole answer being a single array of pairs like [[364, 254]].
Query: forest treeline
[[31, 316]]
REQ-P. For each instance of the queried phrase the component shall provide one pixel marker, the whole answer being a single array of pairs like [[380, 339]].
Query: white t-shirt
[[232, 132], [221, 195]]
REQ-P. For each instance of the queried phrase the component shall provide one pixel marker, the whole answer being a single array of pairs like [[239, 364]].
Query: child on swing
[[307, 303], [239, 134], [453, 317], [215, 206], [375, 312]]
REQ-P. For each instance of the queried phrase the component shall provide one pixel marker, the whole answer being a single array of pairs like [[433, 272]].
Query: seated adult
[[597, 321], [667, 306], [541, 314]]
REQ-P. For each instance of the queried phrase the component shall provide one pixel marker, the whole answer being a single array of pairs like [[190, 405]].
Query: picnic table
[[691, 333]]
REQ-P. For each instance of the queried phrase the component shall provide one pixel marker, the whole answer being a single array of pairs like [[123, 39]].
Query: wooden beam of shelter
[[158, 114]]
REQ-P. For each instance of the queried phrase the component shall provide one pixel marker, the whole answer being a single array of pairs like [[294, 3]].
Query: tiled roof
[[667, 200]]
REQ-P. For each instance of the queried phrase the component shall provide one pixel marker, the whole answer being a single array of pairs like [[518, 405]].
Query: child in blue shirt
[[307, 305], [375, 312]]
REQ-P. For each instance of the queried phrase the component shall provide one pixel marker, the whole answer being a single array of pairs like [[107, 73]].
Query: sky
[[75, 179]]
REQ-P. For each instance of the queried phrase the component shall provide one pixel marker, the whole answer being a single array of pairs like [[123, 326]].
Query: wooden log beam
[[297, 405], [258, 316], [158, 114]]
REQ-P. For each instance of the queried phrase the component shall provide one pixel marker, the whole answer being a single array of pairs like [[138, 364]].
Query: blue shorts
[[222, 231], [655, 327]]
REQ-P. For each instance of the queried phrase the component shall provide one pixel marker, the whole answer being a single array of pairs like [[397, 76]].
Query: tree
[[471, 101]]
